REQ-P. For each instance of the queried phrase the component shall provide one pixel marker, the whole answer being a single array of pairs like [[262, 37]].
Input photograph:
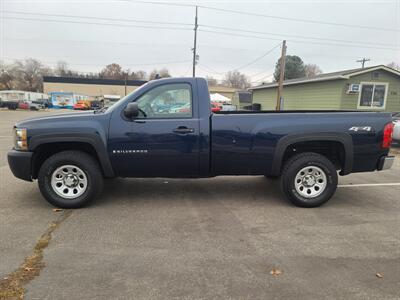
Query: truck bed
[[247, 142]]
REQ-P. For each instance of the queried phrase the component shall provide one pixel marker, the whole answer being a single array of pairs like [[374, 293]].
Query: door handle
[[183, 130]]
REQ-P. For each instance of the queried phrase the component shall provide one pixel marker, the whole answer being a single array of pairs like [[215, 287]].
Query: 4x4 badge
[[361, 128]]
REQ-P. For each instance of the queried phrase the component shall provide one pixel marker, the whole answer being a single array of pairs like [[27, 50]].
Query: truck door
[[164, 139]]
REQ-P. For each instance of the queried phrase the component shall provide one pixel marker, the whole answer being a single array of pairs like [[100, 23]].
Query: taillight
[[387, 135]]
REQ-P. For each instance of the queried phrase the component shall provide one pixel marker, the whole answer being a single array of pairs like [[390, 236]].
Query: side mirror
[[132, 110]]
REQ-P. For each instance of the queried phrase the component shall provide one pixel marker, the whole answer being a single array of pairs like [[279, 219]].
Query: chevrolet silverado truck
[[166, 128]]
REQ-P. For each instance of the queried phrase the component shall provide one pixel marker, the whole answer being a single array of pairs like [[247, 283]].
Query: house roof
[[345, 74]]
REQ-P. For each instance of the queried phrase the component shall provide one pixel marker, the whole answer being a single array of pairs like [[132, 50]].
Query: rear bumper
[[20, 163], [385, 163]]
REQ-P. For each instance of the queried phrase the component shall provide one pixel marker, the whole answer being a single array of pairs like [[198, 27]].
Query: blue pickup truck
[[166, 129]]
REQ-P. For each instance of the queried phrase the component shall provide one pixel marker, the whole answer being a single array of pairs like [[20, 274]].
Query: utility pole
[[125, 77], [195, 45], [281, 75], [363, 61]]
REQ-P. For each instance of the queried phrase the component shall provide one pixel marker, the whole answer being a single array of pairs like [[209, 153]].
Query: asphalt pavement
[[216, 238]]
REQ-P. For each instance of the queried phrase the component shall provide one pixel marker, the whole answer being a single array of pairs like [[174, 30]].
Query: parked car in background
[[96, 104], [23, 105], [215, 107], [185, 108], [82, 105], [228, 107], [11, 105], [396, 130], [36, 105]]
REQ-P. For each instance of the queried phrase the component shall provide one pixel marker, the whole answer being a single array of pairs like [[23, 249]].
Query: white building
[[13, 95]]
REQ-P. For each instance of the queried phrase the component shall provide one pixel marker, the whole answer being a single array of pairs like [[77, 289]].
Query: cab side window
[[166, 101]]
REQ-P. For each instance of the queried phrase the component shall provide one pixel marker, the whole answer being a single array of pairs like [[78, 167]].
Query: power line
[[268, 16], [258, 58], [259, 73], [208, 69], [260, 79], [298, 19], [189, 24], [92, 42], [247, 64], [161, 3], [240, 35], [93, 23], [290, 35], [296, 41], [96, 18]]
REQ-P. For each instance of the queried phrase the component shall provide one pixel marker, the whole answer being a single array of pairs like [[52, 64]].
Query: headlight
[[20, 139]]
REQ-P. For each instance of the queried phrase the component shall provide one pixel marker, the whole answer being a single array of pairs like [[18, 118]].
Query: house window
[[373, 95]]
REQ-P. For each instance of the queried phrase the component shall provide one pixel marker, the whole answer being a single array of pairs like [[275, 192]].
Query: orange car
[[81, 105]]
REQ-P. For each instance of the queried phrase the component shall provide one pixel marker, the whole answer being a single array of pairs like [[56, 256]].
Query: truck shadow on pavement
[[244, 189]]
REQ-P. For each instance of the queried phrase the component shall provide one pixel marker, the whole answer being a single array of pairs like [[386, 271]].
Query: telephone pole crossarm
[[363, 61]]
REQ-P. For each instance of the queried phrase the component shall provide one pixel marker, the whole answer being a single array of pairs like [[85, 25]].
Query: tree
[[211, 81], [312, 70], [294, 68], [136, 75], [61, 69], [394, 65], [6, 77], [29, 74], [236, 79], [112, 71], [163, 73]]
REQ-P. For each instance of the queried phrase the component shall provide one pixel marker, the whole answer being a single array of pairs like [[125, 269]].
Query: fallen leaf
[[379, 275], [275, 272], [57, 209], [28, 269]]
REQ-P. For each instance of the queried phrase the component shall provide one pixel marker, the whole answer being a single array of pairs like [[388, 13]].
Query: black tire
[[294, 165], [80, 159]]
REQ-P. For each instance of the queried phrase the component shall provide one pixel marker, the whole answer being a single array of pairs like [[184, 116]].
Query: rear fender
[[343, 138]]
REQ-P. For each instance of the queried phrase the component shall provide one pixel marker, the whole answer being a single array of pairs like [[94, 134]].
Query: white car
[[396, 130]]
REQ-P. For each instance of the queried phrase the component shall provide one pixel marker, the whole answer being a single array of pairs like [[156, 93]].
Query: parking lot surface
[[215, 238]]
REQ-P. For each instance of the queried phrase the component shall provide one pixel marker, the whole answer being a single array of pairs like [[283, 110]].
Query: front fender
[[94, 139]]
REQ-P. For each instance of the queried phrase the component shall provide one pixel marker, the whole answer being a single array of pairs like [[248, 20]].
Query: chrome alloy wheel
[[69, 181], [310, 182]]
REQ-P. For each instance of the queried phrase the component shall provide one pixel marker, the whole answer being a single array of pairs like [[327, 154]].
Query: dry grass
[[12, 286]]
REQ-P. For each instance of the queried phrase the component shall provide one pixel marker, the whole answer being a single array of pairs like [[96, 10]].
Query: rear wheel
[[309, 179], [70, 179]]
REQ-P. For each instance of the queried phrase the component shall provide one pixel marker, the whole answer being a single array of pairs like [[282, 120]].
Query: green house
[[372, 88]]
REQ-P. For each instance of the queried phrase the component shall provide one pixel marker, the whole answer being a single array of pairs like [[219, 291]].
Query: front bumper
[[20, 163], [385, 163]]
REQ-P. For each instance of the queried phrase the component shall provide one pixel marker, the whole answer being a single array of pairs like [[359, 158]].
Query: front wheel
[[70, 179], [309, 179]]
